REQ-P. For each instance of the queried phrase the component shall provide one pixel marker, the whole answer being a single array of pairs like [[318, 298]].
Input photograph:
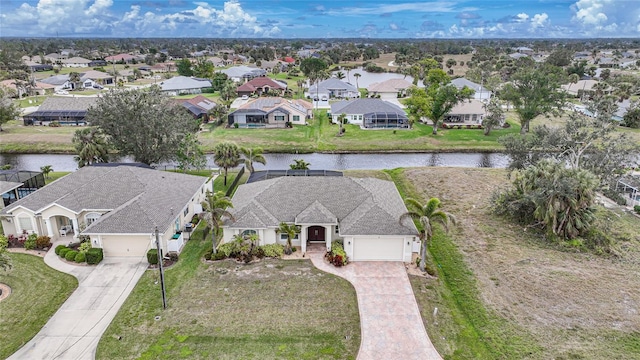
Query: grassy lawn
[[502, 293], [37, 293], [17, 138], [55, 175], [273, 309]]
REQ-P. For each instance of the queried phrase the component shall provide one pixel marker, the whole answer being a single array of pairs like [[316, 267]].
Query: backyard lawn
[[37, 293], [273, 309]]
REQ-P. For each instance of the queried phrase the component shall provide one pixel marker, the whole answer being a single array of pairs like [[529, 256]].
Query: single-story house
[[117, 207], [127, 58], [198, 106], [271, 112], [630, 186], [180, 85], [92, 78], [524, 50], [39, 67], [517, 55], [16, 184], [466, 112], [332, 88], [362, 213], [370, 113], [261, 85], [60, 82], [97, 63], [583, 87], [389, 89], [75, 62], [64, 110], [481, 92], [40, 88], [243, 73], [55, 57]]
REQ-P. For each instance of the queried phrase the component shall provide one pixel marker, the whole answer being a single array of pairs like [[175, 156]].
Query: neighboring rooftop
[[183, 82], [391, 85], [365, 106]]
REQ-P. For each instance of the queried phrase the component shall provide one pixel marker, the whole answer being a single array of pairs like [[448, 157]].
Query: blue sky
[[322, 19]]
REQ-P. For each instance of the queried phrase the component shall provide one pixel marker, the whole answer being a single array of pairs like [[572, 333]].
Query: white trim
[[56, 204]]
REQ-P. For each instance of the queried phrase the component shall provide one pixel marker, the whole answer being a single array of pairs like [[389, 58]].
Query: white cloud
[[607, 17], [590, 12], [522, 17], [539, 20]]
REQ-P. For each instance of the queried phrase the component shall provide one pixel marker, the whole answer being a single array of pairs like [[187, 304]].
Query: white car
[[62, 92], [245, 97]]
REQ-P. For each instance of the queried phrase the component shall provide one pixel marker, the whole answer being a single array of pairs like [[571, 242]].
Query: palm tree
[[341, 121], [299, 164], [214, 207], [357, 75], [91, 145], [46, 170], [427, 215], [251, 156], [291, 230], [226, 155], [74, 79], [339, 75]]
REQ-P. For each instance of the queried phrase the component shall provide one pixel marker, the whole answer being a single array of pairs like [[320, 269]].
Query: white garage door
[[387, 249], [124, 246]]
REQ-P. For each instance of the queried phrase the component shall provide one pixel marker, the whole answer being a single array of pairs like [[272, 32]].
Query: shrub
[[273, 250], [230, 249], [94, 256], [173, 256], [337, 256], [4, 242], [43, 242], [84, 247], [71, 255], [208, 253], [30, 243], [80, 257], [615, 196], [152, 256], [218, 256], [58, 248], [62, 252], [637, 209]]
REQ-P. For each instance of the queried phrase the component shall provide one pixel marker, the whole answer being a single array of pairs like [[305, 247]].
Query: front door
[[316, 233]]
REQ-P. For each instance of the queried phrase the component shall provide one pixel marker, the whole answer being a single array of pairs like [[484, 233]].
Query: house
[[629, 185], [198, 106], [583, 87], [481, 92], [524, 50], [180, 85], [120, 58], [362, 213], [370, 114], [54, 57], [60, 82], [261, 85], [92, 78], [16, 184], [332, 88], [63, 110], [39, 67], [76, 62], [117, 207], [466, 112], [243, 73], [271, 112], [389, 89], [97, 63], [517, 55]]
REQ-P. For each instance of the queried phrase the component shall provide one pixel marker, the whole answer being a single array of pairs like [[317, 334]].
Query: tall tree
[[8, 109], [427, 215], [533, 91], [190, 154], [226, 155], [252, 155], [290, 230], [357, 76], [75, 80], [184, 67], [203, 68], [144, 123], [214, 207], [5, 261], [91, 146], [312, 67], [494, 117]]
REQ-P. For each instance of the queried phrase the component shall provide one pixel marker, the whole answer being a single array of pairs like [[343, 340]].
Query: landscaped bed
[[37, 291], [269, 309]]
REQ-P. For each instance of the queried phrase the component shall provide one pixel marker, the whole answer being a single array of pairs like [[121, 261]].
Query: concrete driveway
[[74, 330], [389, 316]]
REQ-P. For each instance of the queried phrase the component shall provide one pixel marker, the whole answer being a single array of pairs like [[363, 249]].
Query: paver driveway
[[389, 316], [74, 330]]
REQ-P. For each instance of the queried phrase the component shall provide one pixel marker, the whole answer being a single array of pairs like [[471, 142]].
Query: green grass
[[37, 293], [55, 175], [273, 309], [463, 328]]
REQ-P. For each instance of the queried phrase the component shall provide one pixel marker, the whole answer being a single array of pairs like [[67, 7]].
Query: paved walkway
[[74, 330], [389, 316]]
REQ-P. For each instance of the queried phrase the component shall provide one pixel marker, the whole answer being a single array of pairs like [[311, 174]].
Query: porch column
[[327, 237], [74, 223], [47, 222], [303, 238]]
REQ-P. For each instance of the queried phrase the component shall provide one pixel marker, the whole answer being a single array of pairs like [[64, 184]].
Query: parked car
[[245, 97], [62, 92], [98, 86]]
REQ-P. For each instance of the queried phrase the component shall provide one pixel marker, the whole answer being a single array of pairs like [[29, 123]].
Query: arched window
[[90, 218], [249, 233]]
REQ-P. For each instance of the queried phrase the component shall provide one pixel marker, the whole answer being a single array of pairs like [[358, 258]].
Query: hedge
[[152, 256], [80, 257], [60, 247], [71, 255], [94, 256]]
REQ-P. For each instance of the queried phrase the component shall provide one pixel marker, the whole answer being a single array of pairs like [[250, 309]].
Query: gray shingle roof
[[184, 83], [462, 82], [56, 79], [332, 84], [65, 103], [360, 206], [364, 106], [138, 199]]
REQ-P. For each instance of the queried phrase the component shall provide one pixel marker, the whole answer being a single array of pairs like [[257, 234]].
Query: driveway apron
[[390, 320], [74, 330]]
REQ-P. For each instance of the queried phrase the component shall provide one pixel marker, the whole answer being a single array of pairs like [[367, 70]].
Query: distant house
[[16, 184], [517, 56], [180, 85], [97, 63], [39, 88], [481, 92], [332, 88], [370, 114], [198, 106], [127, 58], [76, 62], [389, 89], [63, 110], [524, 50], [39, 67], [243, 73], [583, 87], [289, 60], [466, 112], [261, 85], [60, 82], [54, 57], [271, 112], [92, 78]]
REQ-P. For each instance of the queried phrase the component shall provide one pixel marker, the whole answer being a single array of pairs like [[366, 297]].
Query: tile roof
[[364, 106], [260, 82], [137, 199], [391, 85], [361, 206]]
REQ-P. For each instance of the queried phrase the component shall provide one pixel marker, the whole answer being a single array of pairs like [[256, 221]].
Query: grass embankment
[[505, 293], [37, 291], [273, 309]]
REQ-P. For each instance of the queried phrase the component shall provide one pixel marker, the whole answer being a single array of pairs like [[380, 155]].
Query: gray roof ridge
[[317, 205], [107, 215]]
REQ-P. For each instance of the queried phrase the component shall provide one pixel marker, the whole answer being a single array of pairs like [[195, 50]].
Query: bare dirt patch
[[5, 291], [570, 302]]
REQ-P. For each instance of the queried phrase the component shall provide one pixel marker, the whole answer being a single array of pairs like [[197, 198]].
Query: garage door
[[387, 249], [124, 246]]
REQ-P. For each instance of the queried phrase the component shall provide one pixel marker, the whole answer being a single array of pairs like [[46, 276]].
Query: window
[[186, 210], [249, 233], [283, 237], [25, 223], [296, 117], [91, 218], [279, 117]]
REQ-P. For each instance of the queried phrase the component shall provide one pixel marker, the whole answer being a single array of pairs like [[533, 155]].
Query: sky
[[321, 19]]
